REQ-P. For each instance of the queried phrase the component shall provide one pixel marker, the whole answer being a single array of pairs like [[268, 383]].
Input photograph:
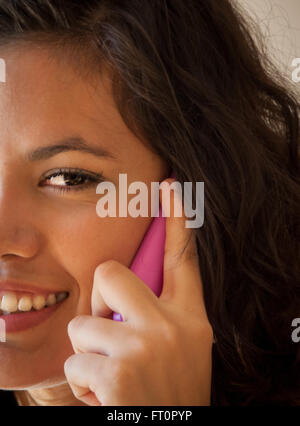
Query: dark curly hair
[[191, 78]]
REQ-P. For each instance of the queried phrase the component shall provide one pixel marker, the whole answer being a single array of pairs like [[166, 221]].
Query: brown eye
[[71, 179]]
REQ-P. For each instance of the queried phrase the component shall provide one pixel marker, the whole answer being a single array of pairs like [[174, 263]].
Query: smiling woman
[[98, 88]]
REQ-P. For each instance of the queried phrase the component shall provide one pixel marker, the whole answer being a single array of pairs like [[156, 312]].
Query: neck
[[61, 395]]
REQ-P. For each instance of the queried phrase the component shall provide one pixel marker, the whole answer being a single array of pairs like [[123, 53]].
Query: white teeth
[[9, 302], [61, 296], [39, 302], [51, 300], [25, 304]]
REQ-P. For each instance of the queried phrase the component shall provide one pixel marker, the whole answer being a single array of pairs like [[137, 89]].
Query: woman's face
[[50, 236]]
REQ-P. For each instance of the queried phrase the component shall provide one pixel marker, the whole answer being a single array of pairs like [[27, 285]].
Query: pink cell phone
[[148, 263]]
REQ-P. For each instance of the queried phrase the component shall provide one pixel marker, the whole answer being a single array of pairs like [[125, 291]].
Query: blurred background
[[280, 22]]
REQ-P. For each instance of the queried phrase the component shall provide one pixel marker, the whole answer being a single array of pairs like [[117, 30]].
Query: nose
[[18, 236]]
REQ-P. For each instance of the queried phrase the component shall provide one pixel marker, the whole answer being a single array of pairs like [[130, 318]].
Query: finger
[[182, 278], [117, 288], [98, 335], [84, 372]]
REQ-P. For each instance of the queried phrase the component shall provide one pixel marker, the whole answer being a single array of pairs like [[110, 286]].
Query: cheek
[[83, 241]]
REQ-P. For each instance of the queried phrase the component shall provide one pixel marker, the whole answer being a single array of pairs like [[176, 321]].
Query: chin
[[27, 383], [20, 372]]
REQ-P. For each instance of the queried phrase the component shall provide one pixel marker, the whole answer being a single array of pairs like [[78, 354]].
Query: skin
[[55, 240]]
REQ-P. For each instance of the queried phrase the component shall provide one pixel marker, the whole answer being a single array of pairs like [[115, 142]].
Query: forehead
[[46, 96]]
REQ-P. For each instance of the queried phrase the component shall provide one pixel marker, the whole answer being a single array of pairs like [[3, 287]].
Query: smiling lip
[[16, 286], [24, 320]]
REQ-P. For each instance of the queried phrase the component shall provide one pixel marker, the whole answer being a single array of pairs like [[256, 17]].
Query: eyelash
[[93, 178]]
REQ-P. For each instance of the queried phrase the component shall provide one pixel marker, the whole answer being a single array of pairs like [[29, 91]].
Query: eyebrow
[[66, 145]]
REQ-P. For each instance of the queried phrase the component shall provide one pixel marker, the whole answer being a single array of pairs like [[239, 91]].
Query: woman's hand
[[161, 353]]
